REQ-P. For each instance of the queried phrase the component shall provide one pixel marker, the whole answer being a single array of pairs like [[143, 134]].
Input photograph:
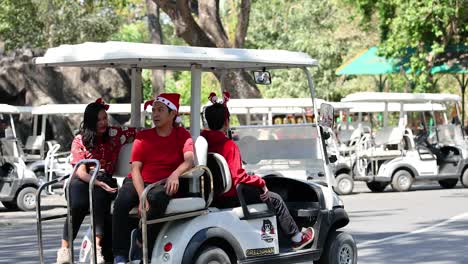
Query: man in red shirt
[[162, 152], [217, 118]]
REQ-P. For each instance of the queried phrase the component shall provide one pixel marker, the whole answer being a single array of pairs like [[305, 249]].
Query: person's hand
[[106, 187], [172, 185], [140, 207], [265, 196]]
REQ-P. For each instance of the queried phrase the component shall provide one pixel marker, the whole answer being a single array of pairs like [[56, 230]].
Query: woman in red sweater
[[217, 117]]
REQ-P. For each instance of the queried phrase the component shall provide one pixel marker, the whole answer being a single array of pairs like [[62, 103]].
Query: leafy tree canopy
[[420, 30], [41, 24]]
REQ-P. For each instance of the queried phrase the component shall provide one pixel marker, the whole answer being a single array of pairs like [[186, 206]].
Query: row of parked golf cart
[[422, 143]]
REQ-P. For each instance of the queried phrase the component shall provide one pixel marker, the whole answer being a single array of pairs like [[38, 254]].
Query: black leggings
[[79, 206], [124, 203], [252, 196]]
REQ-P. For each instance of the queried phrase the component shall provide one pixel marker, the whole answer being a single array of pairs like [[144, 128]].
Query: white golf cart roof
[[143, 55], [401, 97], [136, 56], [64, 109], [12, 109], [394, 107]]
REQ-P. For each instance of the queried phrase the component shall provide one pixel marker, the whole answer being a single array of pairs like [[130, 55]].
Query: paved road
[[429, 225]]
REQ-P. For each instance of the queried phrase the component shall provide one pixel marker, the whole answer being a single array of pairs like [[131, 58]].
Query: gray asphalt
[[426, 225]]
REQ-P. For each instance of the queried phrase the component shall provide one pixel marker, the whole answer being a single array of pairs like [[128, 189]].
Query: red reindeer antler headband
[[101, 101], [214, 100]]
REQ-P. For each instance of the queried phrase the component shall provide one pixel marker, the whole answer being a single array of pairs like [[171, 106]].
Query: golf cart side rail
[[40, 219], [196, 174]]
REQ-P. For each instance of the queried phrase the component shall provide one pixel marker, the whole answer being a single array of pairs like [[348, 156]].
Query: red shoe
[[307, 238]]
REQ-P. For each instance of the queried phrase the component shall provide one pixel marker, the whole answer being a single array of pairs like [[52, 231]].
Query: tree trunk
[[210, 33], [157, 76]]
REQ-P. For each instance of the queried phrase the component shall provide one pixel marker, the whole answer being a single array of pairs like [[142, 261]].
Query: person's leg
[[79, 207], [102, 204], [285, 220], [127, 198], [158, 200], [78, 210]]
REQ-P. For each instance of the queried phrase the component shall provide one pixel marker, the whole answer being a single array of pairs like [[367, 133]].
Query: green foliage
[[19, 24], [420, 30], [134, 32], [50, 23], [309, 26]]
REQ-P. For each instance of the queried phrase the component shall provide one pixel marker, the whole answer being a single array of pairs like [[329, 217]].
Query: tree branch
[[210, 22], [243, 19], [185, 25]]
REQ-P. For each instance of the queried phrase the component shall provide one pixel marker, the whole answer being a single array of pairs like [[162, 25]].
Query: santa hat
[[171, 100]]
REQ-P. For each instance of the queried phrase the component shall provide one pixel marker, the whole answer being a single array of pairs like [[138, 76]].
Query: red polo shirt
[[160, 155]]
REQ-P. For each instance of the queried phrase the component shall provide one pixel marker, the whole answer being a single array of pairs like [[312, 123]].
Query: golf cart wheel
[[26, 199], [376, 186], [212, 255], [339, 249], [344, 184], [10, 205], [464, 178], [448, 184], [402, 181]]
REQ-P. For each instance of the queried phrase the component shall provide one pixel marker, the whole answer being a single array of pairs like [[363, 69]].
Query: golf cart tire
[[10, 205], [376, 186], [212, 254], [448, 183], [344, 177], [398, 177], [23, 199], [464, 178], [340, 248]]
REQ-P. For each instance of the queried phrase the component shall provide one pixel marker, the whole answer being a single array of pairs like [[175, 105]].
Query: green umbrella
[[369, 63]]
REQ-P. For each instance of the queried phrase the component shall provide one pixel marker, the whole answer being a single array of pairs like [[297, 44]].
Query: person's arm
[[83, 175], [137, 179], [172, 183], [79, 152], [238, 174]]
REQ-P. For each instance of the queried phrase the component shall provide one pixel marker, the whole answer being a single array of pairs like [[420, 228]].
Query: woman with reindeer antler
[[96, 140]]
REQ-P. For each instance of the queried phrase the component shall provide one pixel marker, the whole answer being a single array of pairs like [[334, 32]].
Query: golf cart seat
[[176, 205], [222, 183], [388, 136], [385, 140], [34, 144]]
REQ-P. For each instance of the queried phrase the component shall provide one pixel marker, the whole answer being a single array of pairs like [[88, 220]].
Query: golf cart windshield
[[450, 134], [288, 149]]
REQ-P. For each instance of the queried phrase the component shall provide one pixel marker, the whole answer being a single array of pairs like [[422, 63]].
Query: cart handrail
[[188, 175], [40, 219]]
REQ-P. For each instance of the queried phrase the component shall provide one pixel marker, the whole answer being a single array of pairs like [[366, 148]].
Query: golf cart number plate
[[254, 252]]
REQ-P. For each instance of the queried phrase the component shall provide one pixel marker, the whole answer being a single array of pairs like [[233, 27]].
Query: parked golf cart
[[246, 234], [443, 159], [18, 184]]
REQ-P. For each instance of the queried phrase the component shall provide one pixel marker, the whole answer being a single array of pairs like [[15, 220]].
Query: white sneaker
[[99, 256], [63, 256]]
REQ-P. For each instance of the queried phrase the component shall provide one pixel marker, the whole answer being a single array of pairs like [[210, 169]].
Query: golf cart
[[400, 158], [18, 184], [246, 234]]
